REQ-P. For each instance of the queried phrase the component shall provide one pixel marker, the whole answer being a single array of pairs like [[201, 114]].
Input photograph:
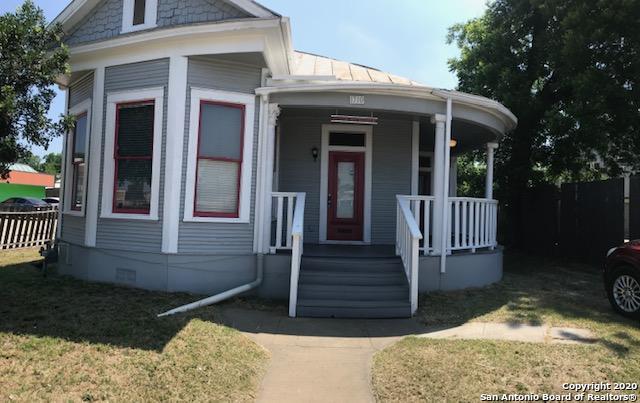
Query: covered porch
[[370, 173]]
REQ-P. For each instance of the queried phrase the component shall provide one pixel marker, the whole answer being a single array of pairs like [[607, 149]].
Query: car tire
[[623, 290]]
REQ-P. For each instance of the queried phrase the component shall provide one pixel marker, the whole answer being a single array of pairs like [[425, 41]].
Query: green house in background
[[24, 181], [8, 190]]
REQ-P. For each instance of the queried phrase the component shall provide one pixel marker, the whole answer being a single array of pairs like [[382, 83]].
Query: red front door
[[345, 197]]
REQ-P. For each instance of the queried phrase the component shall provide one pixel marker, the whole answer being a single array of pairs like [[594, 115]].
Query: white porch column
[[488, 193], [273, 111], [177, 97], [95, 154], [415, 157], [438, 181]]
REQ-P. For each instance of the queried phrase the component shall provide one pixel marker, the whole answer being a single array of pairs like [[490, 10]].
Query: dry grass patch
[[67, 340], [418, 369], [534, 291]]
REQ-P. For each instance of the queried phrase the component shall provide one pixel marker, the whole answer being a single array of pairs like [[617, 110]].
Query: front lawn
[[534, 291], [66, 340]]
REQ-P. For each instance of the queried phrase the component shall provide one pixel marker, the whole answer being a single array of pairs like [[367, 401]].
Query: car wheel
[[624, 292]]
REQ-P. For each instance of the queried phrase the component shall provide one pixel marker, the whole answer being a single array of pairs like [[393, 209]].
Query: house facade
[[211, 157]]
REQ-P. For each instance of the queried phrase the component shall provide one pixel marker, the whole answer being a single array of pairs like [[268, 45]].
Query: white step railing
[[408, 238], [283, 206], [422, 210], [472, 223], [297, 243]]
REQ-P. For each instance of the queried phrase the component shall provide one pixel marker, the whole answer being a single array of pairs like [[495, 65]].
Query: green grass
[[63, 339], [534, 291]]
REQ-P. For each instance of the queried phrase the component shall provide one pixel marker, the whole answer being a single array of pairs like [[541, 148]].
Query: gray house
[[211, 157]]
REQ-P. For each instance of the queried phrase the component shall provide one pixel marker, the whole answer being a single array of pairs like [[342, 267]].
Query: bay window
[[133, 156], [75, 169], [219, 159], [78, 162], [132, 150]]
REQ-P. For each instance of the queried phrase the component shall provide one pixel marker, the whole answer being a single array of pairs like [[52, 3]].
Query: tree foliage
[[32, 55], [568, 69]]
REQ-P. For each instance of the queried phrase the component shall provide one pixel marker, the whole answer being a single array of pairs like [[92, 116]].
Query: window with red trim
[[219, 160], [79, 141], [133, 154]]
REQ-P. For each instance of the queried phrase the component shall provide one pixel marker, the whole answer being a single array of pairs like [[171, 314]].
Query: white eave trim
[[403, 90], [78, 9], [253, 8], [175, 33]]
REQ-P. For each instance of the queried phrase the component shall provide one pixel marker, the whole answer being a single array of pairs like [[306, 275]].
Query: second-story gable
[[110, 18]]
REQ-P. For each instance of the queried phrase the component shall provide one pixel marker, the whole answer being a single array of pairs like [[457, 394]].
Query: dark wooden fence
[[22, 227], [634, 207], [580, 221]]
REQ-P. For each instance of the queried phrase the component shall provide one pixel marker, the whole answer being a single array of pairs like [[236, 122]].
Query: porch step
[[353, 287], [323, 308]]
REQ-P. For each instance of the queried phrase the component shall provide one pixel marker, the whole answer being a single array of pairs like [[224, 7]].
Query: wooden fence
[[22, 227]]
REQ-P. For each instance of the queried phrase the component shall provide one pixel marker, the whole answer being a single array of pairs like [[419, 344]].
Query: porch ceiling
[[469, 136]]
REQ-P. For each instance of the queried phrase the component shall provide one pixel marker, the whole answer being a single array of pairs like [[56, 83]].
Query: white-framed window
[[77, 150], [220, 156], [139, 14], [132, 152]]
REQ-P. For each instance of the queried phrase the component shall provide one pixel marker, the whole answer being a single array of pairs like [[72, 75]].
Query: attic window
[[138, 12], [138, 15]]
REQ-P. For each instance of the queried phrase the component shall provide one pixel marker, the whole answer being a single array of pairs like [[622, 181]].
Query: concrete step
[[353, 292]]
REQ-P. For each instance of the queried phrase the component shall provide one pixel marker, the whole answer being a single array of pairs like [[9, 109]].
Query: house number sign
[[356, 100]]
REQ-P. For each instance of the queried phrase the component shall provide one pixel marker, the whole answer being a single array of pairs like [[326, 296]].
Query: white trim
[[150, 16], [114, 98], [198, 94], [82, 107], [252, 8], [95, 153], [415, 156], [177, 97], [324, 178]]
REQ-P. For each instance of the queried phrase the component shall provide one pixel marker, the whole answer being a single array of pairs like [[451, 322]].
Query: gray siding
[[391, 176], [134, 235], [81, 90], [177, 12], [300, 132], [73, 226], [391, 168], [219, 238], [105, 21]]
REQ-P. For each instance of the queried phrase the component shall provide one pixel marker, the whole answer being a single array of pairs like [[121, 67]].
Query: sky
[[403, 37]]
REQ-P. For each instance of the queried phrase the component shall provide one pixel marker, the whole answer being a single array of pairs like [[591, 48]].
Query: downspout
[[445, 206], [223, 295], [259, 238]]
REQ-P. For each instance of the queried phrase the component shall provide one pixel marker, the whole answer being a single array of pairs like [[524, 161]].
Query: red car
[[622, 278]]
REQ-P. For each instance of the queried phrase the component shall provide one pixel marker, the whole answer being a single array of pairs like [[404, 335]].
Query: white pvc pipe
[[223, 295]]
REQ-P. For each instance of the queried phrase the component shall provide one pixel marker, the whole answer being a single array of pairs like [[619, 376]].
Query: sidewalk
[[329, 360]]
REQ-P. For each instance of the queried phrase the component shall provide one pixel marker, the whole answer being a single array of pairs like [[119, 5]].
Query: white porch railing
[[472, 223], [283, 206], [408, 238]]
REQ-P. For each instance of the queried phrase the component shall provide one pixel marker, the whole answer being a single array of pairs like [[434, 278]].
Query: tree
[[568, 69], [30, 159], [32, 55], [52, 164]]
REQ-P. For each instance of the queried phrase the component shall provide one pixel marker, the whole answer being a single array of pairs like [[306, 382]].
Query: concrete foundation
[[212, 274]]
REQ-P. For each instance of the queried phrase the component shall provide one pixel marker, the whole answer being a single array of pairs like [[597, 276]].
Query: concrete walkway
[[329, 360]]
